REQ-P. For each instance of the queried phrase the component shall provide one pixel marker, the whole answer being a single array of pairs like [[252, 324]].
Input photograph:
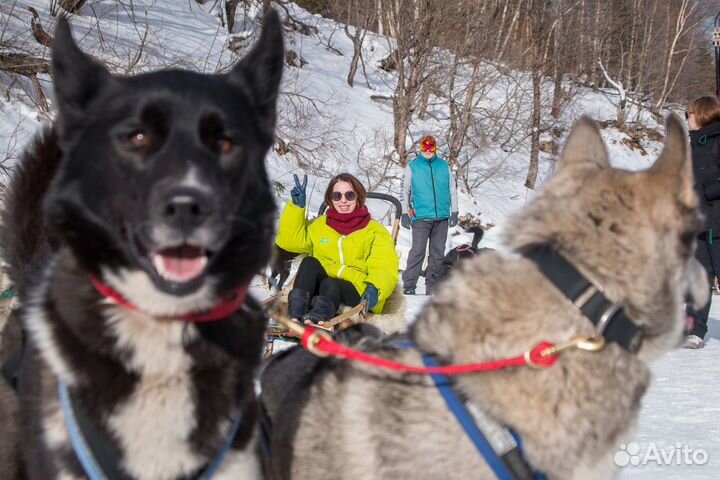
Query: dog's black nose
[[186, 210]]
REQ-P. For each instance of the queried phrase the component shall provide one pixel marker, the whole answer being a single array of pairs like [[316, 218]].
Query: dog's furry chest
[[154, 418], [153, 429]]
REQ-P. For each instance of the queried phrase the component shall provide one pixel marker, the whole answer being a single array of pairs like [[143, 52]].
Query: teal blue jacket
[[429, 189]]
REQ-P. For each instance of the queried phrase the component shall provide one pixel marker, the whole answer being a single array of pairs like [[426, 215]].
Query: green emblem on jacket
[[324, 240]]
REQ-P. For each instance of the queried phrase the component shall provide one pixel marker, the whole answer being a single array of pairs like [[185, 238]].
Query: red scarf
[[346, 223]]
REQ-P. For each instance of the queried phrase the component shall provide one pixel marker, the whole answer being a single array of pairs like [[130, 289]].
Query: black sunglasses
[[337, 196], [687, 114]]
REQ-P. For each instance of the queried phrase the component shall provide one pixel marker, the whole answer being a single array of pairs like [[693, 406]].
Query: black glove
[[297, 194], [405, 221], [453, 219]]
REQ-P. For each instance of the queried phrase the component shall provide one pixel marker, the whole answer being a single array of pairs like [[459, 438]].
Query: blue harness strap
[[516, 468], [100, 464], [82, 451], [220, 455]]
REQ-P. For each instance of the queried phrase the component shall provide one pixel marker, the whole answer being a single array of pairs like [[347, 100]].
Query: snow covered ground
[[679, 431], [682, 408]]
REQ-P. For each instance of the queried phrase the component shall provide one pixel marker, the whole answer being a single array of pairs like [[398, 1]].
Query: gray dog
[[608, 252]]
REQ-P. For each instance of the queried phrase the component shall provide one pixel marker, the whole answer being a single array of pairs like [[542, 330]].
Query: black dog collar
[[609, 318]]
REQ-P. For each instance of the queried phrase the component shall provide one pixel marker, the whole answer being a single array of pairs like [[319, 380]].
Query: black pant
[[311, 277], [706, 255]]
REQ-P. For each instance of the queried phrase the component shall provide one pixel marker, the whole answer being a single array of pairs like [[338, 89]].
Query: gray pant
[[423, 230]]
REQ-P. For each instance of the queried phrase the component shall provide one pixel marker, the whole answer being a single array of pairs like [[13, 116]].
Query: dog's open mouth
[[180, 264]]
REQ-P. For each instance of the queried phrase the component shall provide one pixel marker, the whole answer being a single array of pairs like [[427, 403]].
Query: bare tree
[[357, 38], [558, 50], [622, 97], [541, 38], [685, 22], [230, 9], [411, 50]]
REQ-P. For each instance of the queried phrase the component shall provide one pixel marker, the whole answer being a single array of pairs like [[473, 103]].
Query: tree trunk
[[401, 115], [510, 31], [357, 51], [72, 6], [681, 26], [501, 25], [557, 68], [357, 39], [380, 17], [230, 8], [535, 133], [594, 80], [463, 117], [424, 100]]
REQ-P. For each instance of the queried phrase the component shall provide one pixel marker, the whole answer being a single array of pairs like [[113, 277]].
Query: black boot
[[298, 303], [323, 309]]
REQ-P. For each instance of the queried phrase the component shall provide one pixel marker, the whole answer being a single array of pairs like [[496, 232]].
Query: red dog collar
[[227, 306]]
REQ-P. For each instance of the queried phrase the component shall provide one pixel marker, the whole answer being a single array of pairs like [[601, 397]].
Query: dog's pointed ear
[[584, 147], [260, 70], [675, 161], [78, 78]]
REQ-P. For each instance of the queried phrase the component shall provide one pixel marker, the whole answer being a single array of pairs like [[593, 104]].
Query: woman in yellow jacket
[[350, 257]]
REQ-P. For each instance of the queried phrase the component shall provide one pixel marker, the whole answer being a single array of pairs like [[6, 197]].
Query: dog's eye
[[139, 139], [224, 145]]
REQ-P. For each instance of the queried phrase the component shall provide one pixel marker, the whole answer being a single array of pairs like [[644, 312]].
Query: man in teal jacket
[[430, 204]]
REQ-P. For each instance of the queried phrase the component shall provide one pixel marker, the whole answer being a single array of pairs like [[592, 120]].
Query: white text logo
[[678, 454]]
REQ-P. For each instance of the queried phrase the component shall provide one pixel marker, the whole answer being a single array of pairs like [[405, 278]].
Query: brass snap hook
[[313, 341], [588, 344]]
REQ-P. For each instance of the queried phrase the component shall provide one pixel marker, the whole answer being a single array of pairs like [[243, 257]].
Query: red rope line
[[537, 356]]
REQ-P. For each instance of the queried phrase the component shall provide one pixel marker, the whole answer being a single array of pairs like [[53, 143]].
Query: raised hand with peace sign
[[297, 194]]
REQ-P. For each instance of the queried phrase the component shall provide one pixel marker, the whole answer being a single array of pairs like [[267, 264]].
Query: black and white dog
[[464, 251], [133, 227]]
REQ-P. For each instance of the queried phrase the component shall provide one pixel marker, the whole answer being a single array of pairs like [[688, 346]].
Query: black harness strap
[[11, 369], [265, 431], [609, 318]]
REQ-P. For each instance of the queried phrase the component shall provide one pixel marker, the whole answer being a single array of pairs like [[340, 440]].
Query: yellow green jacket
[[364, 256]]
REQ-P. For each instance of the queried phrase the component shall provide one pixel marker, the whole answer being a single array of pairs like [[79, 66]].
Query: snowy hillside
[[326, 125], [329, 127]]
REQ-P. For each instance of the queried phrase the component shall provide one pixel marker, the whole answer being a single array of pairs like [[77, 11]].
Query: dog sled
[[279, 337]]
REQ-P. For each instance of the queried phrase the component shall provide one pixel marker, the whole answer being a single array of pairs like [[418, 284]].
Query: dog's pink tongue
[[180, 264]]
